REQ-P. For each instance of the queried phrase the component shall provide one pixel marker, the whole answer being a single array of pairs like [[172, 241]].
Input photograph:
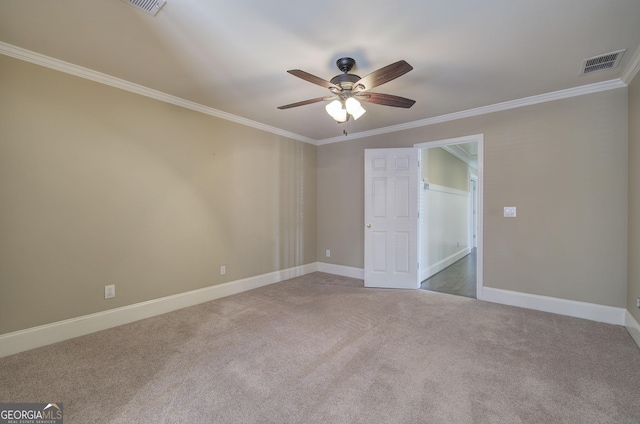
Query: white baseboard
[[344, 271], [440, 265], [572, 308], [43, 335], [632, 327]]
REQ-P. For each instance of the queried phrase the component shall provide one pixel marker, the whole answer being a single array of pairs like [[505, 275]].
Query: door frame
[[473, 211], [479, 138]]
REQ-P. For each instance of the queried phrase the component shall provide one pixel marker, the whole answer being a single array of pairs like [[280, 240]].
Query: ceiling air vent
[[150, 6], [604, 61]]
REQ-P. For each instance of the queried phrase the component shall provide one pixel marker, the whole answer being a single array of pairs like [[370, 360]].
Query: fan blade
[[312, 78], [385, 99], [383, 75], [302, 103]]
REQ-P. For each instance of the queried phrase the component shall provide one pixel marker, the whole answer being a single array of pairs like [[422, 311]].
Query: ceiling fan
[[347, 90]]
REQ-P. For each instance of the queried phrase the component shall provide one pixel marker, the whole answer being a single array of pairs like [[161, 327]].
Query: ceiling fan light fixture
[[347, 88], [354, 108]]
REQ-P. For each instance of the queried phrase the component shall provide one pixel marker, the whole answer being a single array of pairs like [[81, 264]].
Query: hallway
[[459, 278]]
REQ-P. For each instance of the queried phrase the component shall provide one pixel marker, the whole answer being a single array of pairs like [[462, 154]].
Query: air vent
[[604, 61], [150, 6]]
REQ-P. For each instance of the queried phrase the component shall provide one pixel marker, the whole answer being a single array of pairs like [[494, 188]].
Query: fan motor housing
[[345, 81]]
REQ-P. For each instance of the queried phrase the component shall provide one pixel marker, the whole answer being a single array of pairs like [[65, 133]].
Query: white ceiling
[[232, 56]]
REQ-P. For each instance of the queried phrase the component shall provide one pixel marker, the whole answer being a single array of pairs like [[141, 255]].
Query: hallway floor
[[458, 278]]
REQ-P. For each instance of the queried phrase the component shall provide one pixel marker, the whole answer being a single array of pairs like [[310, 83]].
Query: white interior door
[[391, 218]]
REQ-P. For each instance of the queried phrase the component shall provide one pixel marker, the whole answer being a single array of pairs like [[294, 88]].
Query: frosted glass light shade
[[335, 110], [354, 108]]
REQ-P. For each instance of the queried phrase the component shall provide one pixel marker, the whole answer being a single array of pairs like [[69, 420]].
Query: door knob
[[368, 225]]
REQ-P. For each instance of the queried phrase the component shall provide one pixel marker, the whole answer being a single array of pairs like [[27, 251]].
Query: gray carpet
[[323, 349]]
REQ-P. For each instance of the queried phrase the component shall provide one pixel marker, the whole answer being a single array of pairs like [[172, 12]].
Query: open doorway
[[450, 231]]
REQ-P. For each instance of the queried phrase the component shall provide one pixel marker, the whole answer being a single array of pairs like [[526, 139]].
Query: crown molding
[[632, 69], [82, 72], [512, 104], [69, 68], [456, 151]]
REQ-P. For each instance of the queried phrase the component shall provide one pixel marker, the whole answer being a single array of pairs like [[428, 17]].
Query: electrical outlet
[[110, 291], [639, 302], [327, 253], [223, 270]]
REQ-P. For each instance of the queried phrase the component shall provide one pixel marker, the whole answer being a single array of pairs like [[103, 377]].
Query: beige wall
[[633, 290], [100, 186], [442, 168], [563, 164]]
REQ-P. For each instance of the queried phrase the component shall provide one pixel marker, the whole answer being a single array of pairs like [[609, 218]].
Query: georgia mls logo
[[31, 413]]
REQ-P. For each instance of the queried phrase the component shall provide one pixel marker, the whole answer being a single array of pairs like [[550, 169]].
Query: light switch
[[509, 211]]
